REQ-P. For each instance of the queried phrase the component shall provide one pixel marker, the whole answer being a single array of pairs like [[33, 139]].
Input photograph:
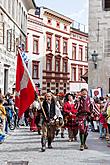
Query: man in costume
[[83, 114], [50, 113]]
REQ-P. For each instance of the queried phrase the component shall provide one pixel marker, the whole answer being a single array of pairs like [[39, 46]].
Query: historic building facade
[[50, 43], [13, 30], [99, 45], [78, 59], [35, 47]]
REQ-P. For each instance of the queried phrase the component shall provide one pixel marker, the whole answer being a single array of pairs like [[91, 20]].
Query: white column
[[77, 73], [77, 51]]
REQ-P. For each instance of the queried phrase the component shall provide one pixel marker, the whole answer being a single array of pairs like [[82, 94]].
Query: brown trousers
[[48, 130]]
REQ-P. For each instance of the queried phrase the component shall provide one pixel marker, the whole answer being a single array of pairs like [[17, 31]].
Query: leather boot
[[62, 135], [43, 142], [49, 143], [85, 137], [82, 142]]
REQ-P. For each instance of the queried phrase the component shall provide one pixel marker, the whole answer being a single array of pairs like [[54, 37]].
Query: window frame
[[73, 74], [35, 63], [80, 55], [80, 73], [50, 37], [49, 59], [65, 70], [74, 46], [2, 32], [57, 38], [104, 5], [57, 60], [65, 41], [37, 45]]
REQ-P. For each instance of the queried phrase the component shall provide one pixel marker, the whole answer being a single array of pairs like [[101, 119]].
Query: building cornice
[[29, 4], [55, 14], [77, 31]]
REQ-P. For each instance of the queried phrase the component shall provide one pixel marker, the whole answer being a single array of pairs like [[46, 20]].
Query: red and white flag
[[25, 89]]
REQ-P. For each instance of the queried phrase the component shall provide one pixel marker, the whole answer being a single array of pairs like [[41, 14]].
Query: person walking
[[49, 115], [70, 111], [83, 114]]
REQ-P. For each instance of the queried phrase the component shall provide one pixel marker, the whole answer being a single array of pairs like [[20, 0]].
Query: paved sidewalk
[[23, 145]]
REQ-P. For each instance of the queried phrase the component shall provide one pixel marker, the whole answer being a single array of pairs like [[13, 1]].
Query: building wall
[[59, 80], [99, 40], [79, 40], [13, 27], [35, 32], [44, 26]]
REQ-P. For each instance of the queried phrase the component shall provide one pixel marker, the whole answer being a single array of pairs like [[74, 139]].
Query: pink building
[[57, 52]]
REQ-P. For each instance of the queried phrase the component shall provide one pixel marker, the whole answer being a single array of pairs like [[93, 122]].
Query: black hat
[[69, 94]]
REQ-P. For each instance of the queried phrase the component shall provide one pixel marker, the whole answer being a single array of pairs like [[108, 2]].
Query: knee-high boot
[[82, 141], [43, 143], [85, 138], [49, 142]]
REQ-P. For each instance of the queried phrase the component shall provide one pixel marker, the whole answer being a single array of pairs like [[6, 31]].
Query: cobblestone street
[[23, 145]]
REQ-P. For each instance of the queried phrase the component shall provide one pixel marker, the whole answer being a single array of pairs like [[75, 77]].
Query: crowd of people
[[52, 114]]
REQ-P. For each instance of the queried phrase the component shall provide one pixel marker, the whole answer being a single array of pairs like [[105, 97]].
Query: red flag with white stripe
[[25, 89]]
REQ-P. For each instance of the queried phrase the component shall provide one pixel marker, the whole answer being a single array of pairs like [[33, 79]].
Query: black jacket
[[49, 113]]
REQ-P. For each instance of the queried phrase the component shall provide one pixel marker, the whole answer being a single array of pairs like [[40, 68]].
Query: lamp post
[[94, 59]]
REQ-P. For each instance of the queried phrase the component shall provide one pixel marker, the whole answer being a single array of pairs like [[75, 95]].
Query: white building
[[13, 30], [99, 41], [50, 43], [35, 47], [78, 59]]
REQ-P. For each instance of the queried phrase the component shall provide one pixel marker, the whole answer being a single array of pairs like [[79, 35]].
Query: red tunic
[[71, 119]]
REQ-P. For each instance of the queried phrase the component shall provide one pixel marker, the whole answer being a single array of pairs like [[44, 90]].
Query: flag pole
[[42, 109]]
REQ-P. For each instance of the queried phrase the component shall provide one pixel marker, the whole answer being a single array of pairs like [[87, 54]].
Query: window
[[64, 85], [57, 44], [106, 4], [9, 38], [35, 69], [74, 52], [65, 66], [80, 74], [57, 85], [57, 91], [58, 24], [48, 87], [35, 46], [65, 46], [64, 91], [48, 84], [49, 42], [65, 27], [1, 33], [49, 64], [57, 65], [80, 54], [73, 74], [49, 21]]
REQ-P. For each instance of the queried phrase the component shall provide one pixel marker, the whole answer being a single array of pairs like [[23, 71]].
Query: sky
[[75, 9]]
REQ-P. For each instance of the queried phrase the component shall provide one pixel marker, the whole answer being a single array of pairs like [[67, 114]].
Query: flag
[[96, 92], [25, 89]]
